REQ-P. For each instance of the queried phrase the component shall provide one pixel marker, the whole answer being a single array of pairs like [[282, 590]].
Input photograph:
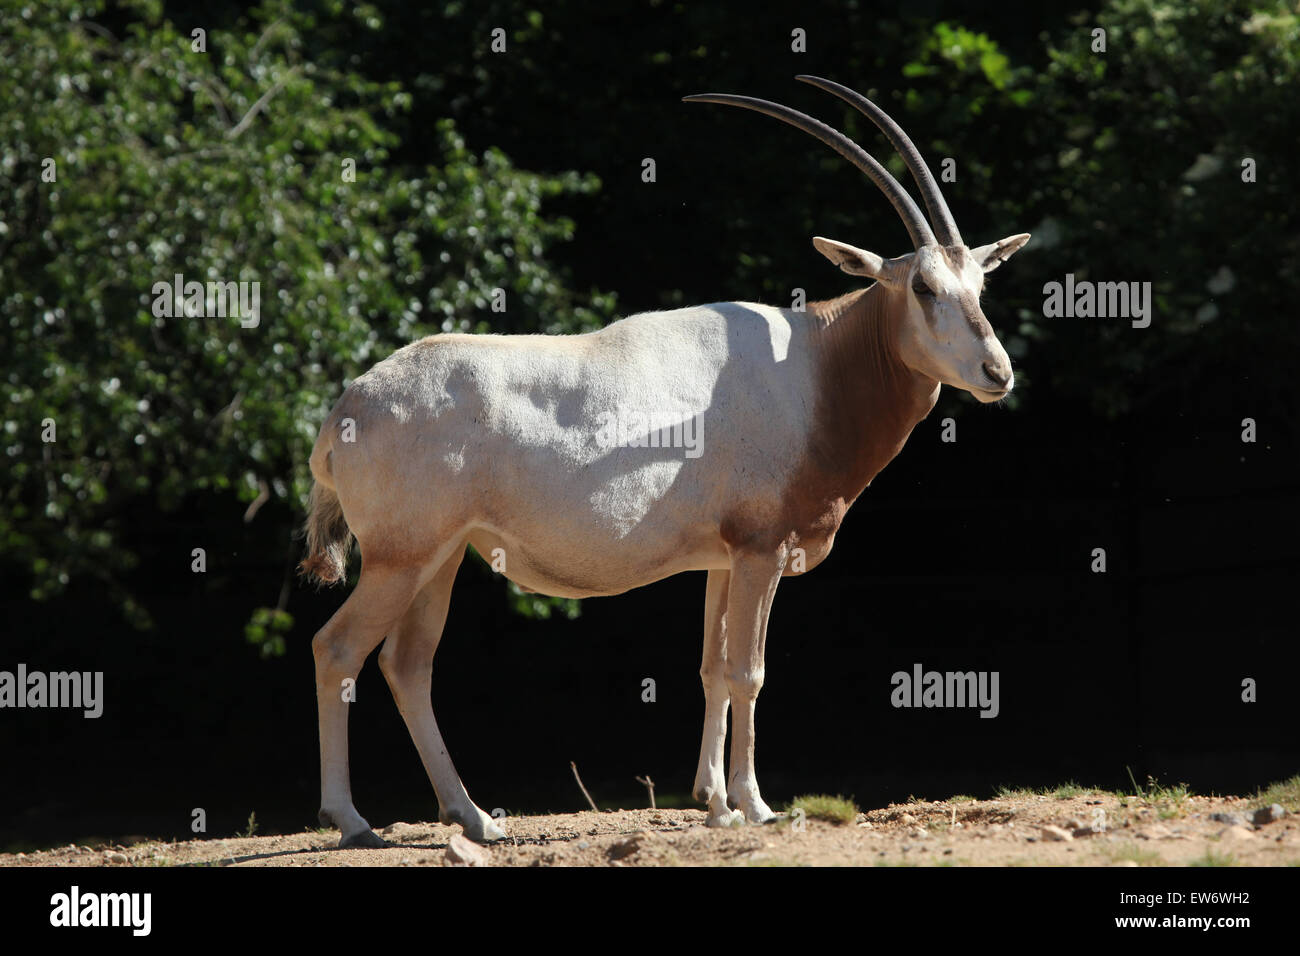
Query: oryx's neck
[[868, 401]]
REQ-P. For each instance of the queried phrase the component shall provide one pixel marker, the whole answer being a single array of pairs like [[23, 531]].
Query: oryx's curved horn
[[916, 225], [944, 225]]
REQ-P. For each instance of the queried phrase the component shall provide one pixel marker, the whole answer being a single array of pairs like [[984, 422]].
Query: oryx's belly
[[562, 566]]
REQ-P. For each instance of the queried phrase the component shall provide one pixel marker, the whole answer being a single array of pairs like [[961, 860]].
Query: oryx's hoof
[[727, 818], [363, 839], [476, 824]]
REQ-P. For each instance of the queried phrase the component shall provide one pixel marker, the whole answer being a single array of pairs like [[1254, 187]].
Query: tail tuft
[[328, 538]]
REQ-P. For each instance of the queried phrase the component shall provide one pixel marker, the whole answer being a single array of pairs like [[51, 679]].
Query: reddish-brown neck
[[868, 401]]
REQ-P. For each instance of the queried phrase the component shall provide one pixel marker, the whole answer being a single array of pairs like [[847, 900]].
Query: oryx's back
[[571, 442]]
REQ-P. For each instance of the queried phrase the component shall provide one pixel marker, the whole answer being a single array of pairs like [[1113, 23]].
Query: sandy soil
[[1093, 829]]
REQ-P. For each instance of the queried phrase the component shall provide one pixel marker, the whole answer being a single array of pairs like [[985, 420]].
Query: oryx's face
[[944, 334]]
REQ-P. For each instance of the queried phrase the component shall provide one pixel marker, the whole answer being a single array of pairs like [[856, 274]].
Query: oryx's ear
[[855, 261], [995, 253]]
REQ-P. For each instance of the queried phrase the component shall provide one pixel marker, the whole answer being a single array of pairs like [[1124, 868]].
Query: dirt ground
[[1091, 829]]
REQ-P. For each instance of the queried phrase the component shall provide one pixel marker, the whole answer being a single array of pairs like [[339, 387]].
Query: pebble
[[907, 818], [1237, 833], [1232, 819], [1056, 834], [462, 851], [1269, 814], [113, 857]]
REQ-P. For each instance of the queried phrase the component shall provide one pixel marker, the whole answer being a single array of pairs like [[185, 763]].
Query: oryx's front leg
[[710, 778], [754, 578]]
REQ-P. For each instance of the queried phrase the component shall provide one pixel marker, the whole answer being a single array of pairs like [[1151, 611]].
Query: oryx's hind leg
[[407, 663], [340, 648], [710, 777]]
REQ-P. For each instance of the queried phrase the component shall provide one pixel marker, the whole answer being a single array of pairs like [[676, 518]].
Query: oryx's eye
[[920, 288]]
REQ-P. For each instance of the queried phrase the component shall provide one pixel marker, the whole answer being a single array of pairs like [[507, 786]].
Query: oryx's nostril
[[998, 377]]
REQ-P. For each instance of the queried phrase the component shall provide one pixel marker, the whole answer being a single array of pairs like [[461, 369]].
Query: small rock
[[1073, 824], [1232, 819], [583, 844], [113, 857], [657, 820], [907, 818], [1237, 833], [1083, 832], [1269, 814], [1056, 834], [461, 851]]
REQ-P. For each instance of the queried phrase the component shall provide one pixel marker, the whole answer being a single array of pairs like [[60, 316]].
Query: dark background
[[967, 555]]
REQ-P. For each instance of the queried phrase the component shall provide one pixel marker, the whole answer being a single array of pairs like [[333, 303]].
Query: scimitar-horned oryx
[[546, 450]]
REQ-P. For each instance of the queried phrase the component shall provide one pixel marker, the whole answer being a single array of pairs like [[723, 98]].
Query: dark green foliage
[[166, 163], [1125, 165]]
